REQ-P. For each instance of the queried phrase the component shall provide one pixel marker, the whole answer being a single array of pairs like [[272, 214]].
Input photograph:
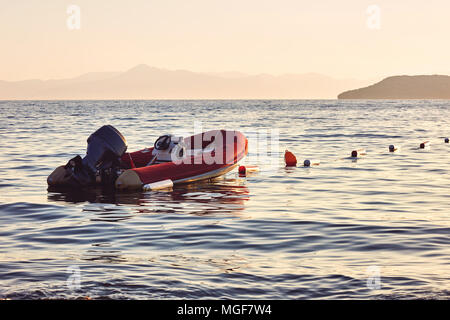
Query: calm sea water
[[378, 227]]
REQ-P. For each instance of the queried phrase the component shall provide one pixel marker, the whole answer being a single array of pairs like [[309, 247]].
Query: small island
[[404, 87]]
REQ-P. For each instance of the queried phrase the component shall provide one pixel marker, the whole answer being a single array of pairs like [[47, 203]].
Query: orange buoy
[[290, 159]]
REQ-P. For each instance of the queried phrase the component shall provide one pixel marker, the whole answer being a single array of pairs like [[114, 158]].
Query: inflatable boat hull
[[212, 154]]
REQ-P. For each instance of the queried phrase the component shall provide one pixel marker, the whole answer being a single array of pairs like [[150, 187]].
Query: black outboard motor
[[100, 165], [104, 146]]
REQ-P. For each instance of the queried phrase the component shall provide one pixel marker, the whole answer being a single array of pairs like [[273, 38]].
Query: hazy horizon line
[[225, 74], [221, 74]]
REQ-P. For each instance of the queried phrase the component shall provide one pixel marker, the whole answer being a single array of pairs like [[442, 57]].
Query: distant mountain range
[[145, 82], [404, 87]]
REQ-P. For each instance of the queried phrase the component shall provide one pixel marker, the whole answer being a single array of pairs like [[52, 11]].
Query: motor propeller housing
[[102, 160], [104, 146]]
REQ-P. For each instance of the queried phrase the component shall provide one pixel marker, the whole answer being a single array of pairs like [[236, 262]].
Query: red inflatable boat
[[172, 160], [207, 155]]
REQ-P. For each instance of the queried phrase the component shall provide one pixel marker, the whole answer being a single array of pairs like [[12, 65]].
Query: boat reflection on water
[[220, 196], [158, 217], [92, 195]]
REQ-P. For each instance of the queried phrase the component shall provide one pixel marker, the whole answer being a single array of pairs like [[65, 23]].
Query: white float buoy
[[164, 184]]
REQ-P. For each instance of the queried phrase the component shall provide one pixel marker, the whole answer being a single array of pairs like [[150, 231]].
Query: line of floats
[[291, 160]]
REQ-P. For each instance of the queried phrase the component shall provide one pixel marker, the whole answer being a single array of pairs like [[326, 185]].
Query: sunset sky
[[251, 36]]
